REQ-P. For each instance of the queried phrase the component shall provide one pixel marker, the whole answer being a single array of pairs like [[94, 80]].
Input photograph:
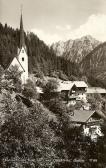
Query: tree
[[63, 76], [50, 89], [1, 76], [79, 105], [13, 75], [96, 102], [29, 90]]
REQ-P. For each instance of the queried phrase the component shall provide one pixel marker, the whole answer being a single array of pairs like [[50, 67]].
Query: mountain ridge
[[75, 50], [94, 66]]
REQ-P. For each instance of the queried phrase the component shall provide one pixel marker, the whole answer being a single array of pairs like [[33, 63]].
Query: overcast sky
[[54, 20]]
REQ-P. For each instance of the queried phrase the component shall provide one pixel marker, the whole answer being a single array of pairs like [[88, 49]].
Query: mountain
[[94, 66], [60, 47], [75, 50], [42, 58]]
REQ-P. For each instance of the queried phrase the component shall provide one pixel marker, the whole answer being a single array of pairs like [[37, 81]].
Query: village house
[[79, 90], [73, 91], [89, 121]]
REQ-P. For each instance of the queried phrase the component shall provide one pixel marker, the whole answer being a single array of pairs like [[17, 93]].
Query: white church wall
[[22, 64], [23, 59]]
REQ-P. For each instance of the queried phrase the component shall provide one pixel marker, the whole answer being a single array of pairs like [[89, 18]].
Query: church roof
[[22, 38], [6, 67]]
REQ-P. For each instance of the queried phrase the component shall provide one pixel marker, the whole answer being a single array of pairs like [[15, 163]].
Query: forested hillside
[[41, 57], [94, 66]]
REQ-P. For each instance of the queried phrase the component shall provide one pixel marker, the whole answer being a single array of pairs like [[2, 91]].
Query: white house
[[21, 59], [89, 121], [73, 90]]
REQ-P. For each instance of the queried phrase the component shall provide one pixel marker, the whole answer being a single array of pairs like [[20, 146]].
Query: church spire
[[22, 39]]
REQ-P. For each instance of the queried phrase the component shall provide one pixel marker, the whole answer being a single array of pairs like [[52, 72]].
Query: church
[[21, 60]]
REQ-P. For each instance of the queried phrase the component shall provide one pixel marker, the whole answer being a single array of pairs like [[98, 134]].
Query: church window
[[22, 51], [22, 58]]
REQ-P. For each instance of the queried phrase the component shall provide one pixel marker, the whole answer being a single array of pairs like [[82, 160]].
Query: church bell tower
[[22, 53]]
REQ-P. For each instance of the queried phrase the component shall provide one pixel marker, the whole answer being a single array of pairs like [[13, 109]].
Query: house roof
[[96, 90], [80, 84], [81, 116], [67, 85]]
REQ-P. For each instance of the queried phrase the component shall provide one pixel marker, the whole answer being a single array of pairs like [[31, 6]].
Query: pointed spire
[[22, 39]]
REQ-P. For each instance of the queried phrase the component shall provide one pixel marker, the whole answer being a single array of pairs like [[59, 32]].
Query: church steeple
[[22, 38], [21, 60]]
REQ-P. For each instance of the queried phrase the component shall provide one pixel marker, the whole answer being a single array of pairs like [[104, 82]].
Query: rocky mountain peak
[[75, 50]]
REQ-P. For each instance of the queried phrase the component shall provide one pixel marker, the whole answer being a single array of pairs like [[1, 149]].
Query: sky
[[57, 20]]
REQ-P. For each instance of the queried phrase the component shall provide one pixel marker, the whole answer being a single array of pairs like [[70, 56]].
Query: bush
[[50, 89], [29, 90]]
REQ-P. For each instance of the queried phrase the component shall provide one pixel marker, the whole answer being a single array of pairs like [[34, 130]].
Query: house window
[[22, 58]]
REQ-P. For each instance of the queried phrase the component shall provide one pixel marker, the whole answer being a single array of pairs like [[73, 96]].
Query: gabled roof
[[81, 116], [67, 85], [18, 63], [80, 84]]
